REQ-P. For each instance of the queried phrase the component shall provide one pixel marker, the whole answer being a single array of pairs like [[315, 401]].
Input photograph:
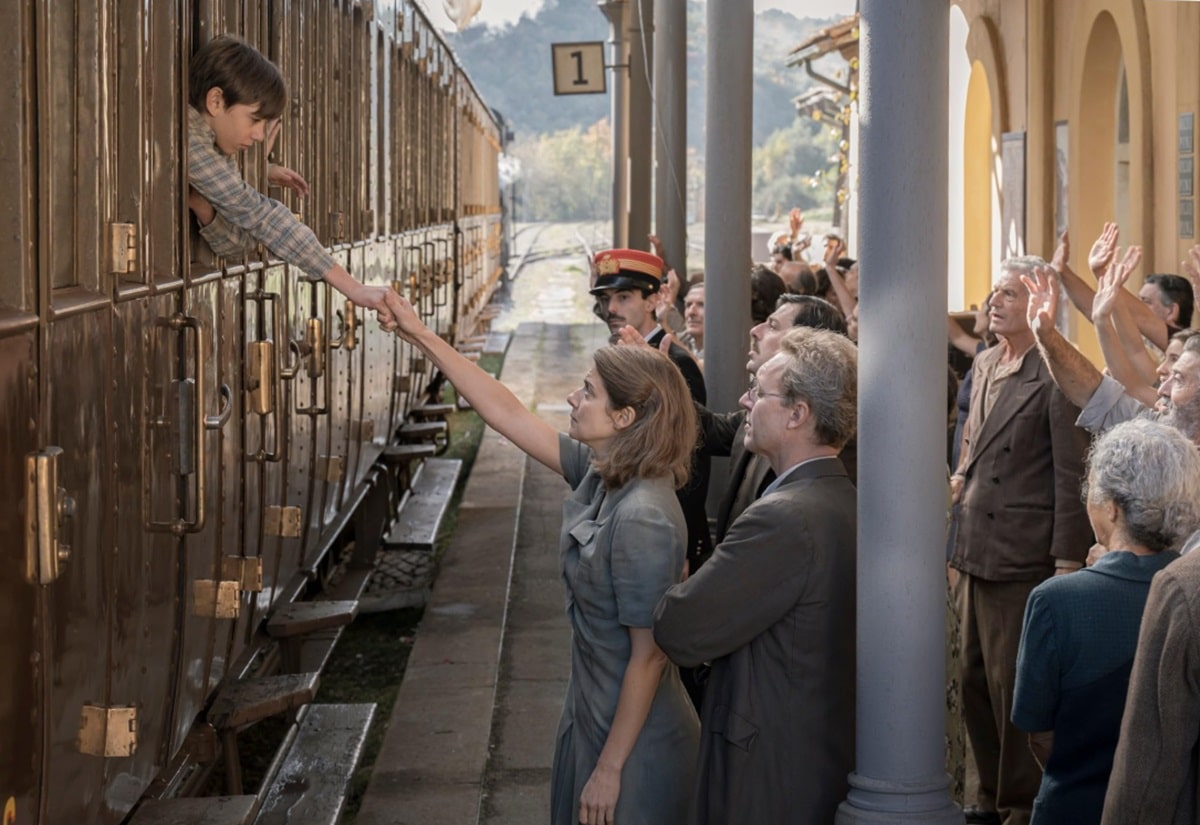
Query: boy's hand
[[282, 176]]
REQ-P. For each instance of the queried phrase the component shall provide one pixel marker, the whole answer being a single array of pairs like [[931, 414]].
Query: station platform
[[471, 736]]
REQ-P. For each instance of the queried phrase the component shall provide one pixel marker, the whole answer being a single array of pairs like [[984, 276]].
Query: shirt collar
[[1122, 564]]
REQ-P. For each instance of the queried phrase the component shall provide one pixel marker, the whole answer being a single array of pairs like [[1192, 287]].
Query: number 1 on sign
[[579, 80]]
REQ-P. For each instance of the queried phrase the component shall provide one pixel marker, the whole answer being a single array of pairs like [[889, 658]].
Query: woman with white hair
[[1080, 631]]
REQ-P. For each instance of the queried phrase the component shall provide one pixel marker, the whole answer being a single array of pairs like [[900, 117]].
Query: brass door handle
[[348, 317], [216, 422]]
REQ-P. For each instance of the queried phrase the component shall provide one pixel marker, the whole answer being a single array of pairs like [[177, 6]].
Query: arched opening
[[980, 198], [1101, 186]]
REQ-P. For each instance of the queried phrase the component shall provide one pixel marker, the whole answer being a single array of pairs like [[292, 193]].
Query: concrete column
[[617, 12], [670, 164], [641, 120], [727, 200], [900, 775]]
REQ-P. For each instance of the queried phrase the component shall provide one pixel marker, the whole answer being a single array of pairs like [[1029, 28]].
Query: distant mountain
[[511, 67]]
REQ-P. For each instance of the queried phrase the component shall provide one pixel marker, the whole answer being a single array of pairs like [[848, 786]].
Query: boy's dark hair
[[242, 74]]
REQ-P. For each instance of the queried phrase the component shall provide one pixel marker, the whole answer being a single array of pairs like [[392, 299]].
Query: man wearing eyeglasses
[[773, 609]]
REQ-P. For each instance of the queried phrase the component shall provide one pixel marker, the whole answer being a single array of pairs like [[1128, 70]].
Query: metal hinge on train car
[[214, 599], [337, 225], [330, 467], [107, 732], [247, 572], [282, 521], [122, 248], [362, 430], [402, 382], [48, 510]]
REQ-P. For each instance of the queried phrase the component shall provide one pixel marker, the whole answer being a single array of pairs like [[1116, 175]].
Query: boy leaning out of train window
[[236, 98]]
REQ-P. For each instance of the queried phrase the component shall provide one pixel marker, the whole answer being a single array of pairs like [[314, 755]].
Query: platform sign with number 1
[[578, 68]]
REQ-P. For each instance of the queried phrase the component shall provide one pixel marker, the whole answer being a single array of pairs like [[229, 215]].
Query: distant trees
[[795, 166], [565, 175]]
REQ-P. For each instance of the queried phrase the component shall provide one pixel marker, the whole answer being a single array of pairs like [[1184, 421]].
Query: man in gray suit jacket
[[724, 433], [1021, 521], [774, 608]]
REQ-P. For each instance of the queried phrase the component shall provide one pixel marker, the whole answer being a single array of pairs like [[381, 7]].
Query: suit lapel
[[1025, 384]]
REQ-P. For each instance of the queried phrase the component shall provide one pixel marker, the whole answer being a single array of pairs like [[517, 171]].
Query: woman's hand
[[598, 802]]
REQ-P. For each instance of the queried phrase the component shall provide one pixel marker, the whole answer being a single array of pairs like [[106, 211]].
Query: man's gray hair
[[1151, 471], [821, 369], [1021, 265]]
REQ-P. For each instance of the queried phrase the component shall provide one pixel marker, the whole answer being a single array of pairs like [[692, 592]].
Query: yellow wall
[[1044, 61], [978, 186]]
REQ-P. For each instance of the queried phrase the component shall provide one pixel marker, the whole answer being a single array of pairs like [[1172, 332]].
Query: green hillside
[[511, 66]]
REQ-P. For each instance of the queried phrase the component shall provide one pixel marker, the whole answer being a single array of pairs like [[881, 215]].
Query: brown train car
[[188, 443]]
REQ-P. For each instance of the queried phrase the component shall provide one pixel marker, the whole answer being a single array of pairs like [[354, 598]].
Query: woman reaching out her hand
[[627, 741]]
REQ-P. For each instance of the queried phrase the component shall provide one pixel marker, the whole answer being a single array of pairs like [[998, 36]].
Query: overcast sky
[[498, 12]]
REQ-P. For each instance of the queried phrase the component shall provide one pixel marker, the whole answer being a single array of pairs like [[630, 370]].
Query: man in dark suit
[[626, 288], [774, 608], [724, 433], [1021, 521]]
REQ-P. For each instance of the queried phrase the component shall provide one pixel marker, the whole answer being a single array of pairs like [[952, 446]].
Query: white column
[[900, 775], [727, 119], [670, 162]]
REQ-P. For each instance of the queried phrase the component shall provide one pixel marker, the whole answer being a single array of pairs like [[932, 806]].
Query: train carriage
[[188, 443]]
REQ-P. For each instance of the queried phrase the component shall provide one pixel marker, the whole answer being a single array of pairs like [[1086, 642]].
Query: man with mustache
[[626, 290]]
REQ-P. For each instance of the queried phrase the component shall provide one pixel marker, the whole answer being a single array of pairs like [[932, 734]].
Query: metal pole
[[617, 12], [900, 771], [641, 119], [670, 167], [727, 200]]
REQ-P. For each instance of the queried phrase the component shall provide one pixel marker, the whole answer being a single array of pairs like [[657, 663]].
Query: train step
[[428, 411], [299, 618], [435, 432], [312, 781], [416, 527], [211, 810], [397, 454], [252, 700]]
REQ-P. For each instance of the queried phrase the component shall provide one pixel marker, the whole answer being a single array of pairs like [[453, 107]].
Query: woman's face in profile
[[591, 419]]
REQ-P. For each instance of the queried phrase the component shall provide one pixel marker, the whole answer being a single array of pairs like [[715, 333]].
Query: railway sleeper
[[420, 517]]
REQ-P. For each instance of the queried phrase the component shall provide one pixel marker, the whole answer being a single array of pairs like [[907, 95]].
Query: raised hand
[[795, 221], [1043, 299], [1191, 268], [283, 176], [1062, 253], [1103, 250], [627, 336], [656, 245]]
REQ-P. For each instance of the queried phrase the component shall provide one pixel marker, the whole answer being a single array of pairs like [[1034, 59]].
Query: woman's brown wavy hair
[[660, 440]]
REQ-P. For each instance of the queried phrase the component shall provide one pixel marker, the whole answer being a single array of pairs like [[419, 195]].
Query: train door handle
[[191, 425], [265, 375], [348, 318], [48, 512]]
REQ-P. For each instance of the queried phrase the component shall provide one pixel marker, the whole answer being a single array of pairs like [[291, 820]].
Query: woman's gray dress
[[620, 551]]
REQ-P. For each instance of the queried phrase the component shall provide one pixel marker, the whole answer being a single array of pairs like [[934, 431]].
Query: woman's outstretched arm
[[494, 402]]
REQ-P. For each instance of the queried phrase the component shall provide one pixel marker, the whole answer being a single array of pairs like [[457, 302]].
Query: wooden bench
[[420, 517], [312, 782]]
